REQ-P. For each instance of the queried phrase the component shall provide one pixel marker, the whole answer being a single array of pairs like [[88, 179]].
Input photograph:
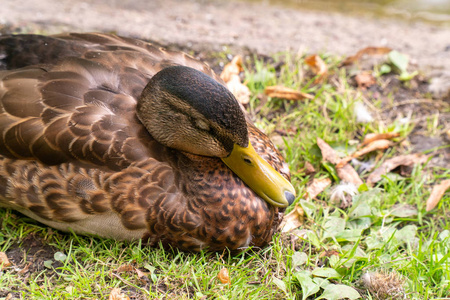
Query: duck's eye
[[247, 160]]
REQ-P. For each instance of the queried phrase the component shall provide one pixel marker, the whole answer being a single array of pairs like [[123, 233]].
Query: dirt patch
[[260, 27], [28, 256]]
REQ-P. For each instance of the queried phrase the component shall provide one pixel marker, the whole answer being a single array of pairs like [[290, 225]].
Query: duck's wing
[[73, 97]]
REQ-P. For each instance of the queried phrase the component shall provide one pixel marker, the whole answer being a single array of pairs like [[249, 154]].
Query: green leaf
[[333, 226], [406, 234], [59, 256], [385, 69], [404, 211], [399, 60], [299, 258], [313, 239], [280, 284], [326, 273], [405, 76], [153, 275], [308, 207], [349, 235], [309, 287], [339, 291], [48, 264]]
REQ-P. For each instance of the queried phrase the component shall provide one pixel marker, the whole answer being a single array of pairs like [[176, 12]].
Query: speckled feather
[[73, 154]]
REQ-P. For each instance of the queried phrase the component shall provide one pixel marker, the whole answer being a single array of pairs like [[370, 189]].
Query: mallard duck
[[118, 138]]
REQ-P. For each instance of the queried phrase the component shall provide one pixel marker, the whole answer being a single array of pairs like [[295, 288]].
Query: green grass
[[333, 248]]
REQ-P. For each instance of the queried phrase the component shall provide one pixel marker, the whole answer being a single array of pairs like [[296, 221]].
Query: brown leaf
[[318, 66], [390, 164], [239, 90], [278, 91], [437, 193], [224, 276], [346, 173], [309, 168], [373, 146], [293, 220], [230, 75], [232, 68], [125, 268], [379, 136], [4, 261], [116, 294], [317, 186], [372, 51], [364, 80], [328, 153]]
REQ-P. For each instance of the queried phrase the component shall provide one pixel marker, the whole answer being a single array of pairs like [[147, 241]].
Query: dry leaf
[[328, 153], [232, 68], [230, 75], [125, 268], [318, 66], [240, 91], [278, 91], [373, 146], [223, 276], [4, 261], [293, 220], [372, 51], [309, 168], [116, 294], [346, 173], [437, 193], [317, 186], [379, 136], [390, 164], [364, 80]]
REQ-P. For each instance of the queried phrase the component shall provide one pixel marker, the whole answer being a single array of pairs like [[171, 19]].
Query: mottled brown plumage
[[75, 155]]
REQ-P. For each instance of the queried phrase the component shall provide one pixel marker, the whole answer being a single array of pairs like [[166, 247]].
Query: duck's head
[[187, 110]]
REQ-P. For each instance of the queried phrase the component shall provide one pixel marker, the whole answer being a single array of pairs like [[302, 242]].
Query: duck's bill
[[260, 176]]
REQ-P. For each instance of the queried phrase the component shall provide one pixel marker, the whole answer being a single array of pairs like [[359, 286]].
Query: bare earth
[[209, 25]]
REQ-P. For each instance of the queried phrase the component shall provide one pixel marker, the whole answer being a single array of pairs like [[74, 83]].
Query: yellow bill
[[260, 176]]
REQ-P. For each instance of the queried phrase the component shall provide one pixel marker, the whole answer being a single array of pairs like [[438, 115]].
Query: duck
[[119, 138]]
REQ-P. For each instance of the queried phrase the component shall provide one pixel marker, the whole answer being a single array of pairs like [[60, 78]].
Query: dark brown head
[[187, 110]]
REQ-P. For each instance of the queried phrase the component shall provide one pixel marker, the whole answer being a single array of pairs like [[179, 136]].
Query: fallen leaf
[[317, 186], [328, 153], [232, 68], [224, 276], [125, 268], [364, 80], [116, 294], [370, 51], [293, 220], [346, 173], [240, 91], [4, 261], [309, 168], [318, 66], [437, 193], [379, 136], [278, 91], [373, 146], [230, 75], [390, 164]]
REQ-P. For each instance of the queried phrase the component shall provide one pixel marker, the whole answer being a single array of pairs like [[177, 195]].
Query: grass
[[385, 236]]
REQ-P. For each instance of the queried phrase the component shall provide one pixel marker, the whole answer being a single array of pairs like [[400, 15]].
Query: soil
[[211, 25]]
